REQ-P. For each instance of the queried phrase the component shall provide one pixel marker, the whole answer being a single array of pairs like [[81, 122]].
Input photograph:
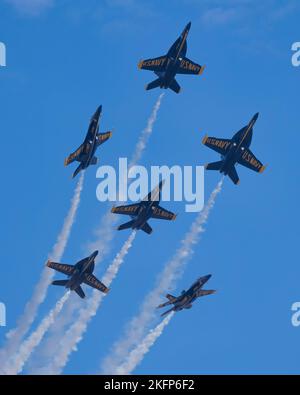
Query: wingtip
[[202, 68], [263, 168], [204, 139]]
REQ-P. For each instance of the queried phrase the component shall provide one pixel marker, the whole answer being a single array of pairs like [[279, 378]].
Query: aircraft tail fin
[[233, 175], [175, 86], [78, 170], [61, 283], [127, 225], [214, 165], [154, 84], [147, 228], [80, 292]]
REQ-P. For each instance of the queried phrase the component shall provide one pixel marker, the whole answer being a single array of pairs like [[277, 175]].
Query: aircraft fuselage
[[240, 141], [81, 268], [145, 213], [90, 144], [187, 298], [174, 58]]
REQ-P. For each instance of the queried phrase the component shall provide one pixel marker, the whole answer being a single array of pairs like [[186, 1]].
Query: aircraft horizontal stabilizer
[[94, 160], [61, 283], [147, 228], [80, 292], [214, 165], [154, 84], [233, 175], [175, 86], [127, 225]]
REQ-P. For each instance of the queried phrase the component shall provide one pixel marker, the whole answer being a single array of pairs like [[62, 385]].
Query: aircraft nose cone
[[256, 116], [188, 26], [98, 111], [206, 278], [161, 184], [95, 253]]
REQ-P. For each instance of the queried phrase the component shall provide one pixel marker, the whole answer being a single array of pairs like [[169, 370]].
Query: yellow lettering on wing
[[129, 209], [162, 213], [223, 144], [186, 65], [159, 62], [251, 160]]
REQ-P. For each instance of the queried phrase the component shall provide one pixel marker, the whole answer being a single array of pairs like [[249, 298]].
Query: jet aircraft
[[141, 212], [78, 274], [234, 151], [187, 298], [174, 62], [85, 154]]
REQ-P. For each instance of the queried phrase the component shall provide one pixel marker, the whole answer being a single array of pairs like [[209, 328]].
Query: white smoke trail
[[166, 280], [146, 133], [16, 363], [136, 356], [104, 236], [15, 336], [74, 334]]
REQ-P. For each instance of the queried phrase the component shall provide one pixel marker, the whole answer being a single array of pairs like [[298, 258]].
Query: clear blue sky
[[65, 58]]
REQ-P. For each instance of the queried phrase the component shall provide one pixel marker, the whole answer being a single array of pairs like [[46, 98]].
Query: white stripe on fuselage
[[182, 44]]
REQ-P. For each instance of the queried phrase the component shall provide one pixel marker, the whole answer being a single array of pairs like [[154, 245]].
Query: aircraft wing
[[155, 64], [131, 209], [187, 66], [160, 213], [75, 155], [61, 267], [204, 292], [219, 145], [102, 137], [92, 281], [250, 161], [171, 300]]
